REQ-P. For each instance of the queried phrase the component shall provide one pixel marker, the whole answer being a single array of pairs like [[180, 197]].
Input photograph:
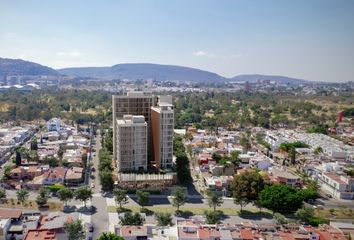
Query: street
[[99, 217]]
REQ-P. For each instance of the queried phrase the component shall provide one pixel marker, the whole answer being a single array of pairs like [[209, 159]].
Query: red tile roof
[[42, 234]]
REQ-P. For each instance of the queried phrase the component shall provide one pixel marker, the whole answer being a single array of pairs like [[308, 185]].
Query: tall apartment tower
[[162, 124], [133, 103], [131, 143], [158, 115]]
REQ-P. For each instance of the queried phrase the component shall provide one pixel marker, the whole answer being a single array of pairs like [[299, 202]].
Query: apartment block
[[158, 114], [133, 103], [131, 143], [162, 122]]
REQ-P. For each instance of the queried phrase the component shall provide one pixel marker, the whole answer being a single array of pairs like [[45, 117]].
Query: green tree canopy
[[131, 219], [280, 198], [179, 198], [246, 187], [65, 194], [74, 230], [83, 194], [163, 219], [120, 196], [110, 236]]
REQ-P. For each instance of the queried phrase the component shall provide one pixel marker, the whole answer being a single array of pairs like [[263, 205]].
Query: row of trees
[[105, 168], [65, 194], [182, 161]]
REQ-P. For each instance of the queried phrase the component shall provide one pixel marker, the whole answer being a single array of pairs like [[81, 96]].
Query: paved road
[[99, 218]]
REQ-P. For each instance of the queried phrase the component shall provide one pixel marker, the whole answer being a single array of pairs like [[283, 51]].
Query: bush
[[315, 221], [213, 217], [55, 188]]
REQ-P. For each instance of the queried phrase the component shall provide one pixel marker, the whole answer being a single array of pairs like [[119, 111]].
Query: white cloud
[[207, 54], [202, 53], [2, 51], [9, 35], [73, 53]]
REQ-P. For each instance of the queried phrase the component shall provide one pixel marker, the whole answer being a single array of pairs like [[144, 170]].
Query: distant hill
[[135, 71], [145, 71], [278, 79], [21, 67]]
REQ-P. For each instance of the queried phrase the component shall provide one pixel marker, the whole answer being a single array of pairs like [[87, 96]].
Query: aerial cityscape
[[213, 120]]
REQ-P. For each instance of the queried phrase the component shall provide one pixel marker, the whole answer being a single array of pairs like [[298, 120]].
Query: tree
[[131, 219], [182, 168], [216, 156], [235, 158], [142, 197], [34, 144], [7, 171], [83, 194], [110, 236], [65, 194], [42, 197], [120, 196], [214, 200], [212, 217], [318, 150], [2, 194], [74, 230], [106, 179], [280, 198], [280, 219], [18, 158], [163, 219], [245, 143], [179, 198], [246, 187], [51, 161], [22, 195], [305, 213], [308, 193]]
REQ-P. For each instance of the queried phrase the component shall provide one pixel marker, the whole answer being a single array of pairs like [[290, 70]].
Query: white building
[[53, 125], [333, 180], [131, 143], [162, 125]]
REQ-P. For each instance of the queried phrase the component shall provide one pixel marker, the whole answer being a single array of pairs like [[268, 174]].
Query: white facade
[[333, 181], [166, 119], [53, 125], [131, 143]]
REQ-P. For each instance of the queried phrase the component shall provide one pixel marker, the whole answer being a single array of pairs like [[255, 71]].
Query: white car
[[92, 185]]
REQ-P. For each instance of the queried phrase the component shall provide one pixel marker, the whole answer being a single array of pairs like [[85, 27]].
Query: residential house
[[74, 176], [54, 176]]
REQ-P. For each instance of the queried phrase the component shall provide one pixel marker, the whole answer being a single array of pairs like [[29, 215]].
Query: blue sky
[[310, 39]]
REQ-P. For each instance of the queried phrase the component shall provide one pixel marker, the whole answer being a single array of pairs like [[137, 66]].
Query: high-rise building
[[162, 120], [131, 143], [158, 114], [133, 103]]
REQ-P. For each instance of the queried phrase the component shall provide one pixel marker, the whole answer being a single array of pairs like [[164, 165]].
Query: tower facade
[[131, 143]]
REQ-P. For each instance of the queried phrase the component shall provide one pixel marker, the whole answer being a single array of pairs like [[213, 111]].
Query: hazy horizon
[[301, 39]]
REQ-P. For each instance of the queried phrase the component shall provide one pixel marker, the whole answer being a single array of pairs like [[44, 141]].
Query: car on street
[[92, 185]]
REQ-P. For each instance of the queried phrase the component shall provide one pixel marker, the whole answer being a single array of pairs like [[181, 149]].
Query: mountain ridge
[[159, 72], [10, 66], [135, 71]]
